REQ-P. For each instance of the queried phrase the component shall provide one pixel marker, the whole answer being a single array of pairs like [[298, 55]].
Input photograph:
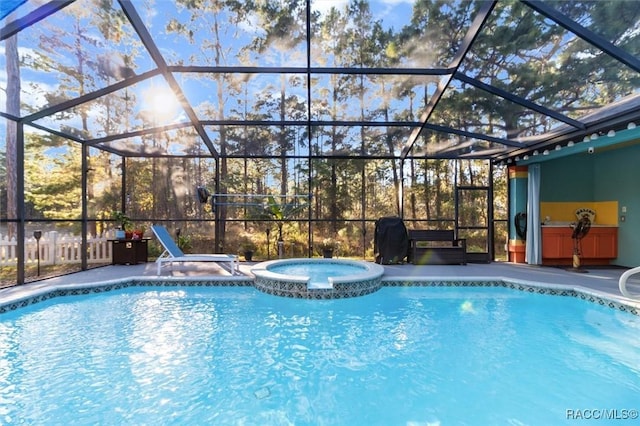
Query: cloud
[[324, 6]]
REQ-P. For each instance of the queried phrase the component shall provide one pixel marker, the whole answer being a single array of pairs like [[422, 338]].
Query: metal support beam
[[123, 186], [83, 205], [465, 46], [20, 232], [587, 35], [308, 70], [37, 15], [473, 135], [309, 131], [62, 106], [132, 14], [518, 100], [216, 212]]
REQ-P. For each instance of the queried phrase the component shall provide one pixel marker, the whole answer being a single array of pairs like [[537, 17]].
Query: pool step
[[320, 285]]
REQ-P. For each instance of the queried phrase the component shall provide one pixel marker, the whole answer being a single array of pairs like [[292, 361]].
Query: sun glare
[[164, 104], [161, 104]]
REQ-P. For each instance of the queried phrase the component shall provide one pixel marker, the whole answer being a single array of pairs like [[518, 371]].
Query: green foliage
[[184, 243], [52, 183], [123, 221], [282, 211], [247, 244], [327, 244]]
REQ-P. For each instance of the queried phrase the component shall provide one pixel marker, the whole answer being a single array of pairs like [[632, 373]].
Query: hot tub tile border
[[299, 290]]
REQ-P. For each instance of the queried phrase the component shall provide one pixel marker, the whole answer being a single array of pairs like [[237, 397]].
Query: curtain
[[534, 237]]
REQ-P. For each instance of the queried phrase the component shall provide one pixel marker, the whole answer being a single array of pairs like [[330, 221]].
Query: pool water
[[318, 272], [400, 356]]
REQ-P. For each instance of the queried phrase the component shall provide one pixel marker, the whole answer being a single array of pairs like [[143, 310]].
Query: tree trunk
[[13, 108]]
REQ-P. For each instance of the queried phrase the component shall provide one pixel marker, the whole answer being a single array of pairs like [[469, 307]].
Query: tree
[[13, 108], [53, 182]]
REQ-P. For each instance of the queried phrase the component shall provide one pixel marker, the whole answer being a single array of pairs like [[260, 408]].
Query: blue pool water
[[318, 272], [400, 356]]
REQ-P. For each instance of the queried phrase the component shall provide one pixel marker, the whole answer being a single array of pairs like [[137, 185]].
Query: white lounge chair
[[172, 253]]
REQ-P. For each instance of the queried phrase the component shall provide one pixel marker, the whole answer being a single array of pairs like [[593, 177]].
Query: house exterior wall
[[608, 176]]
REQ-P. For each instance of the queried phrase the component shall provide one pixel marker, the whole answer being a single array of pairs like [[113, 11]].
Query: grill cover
[[391, 241]]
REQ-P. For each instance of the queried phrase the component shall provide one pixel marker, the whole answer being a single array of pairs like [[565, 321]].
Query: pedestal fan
[[580, 230]]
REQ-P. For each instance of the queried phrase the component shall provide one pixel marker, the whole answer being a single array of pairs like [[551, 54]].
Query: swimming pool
[[222, 355]]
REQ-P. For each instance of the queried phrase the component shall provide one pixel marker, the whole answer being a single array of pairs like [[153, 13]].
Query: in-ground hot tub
[[317, 278]]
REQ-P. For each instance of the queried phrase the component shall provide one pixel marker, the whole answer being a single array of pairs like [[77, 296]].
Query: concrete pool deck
[[602, 282]]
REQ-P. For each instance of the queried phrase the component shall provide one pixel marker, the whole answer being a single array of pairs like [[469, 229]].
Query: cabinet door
[[141, 251], [557, 243], [123, 252], [551, 244], [588, 246], [606, 244], [567, 245]]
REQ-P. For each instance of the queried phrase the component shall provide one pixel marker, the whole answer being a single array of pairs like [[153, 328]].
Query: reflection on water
[[238, 356]]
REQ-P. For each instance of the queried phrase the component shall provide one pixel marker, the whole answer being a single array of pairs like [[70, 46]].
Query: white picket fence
[[55, 249]]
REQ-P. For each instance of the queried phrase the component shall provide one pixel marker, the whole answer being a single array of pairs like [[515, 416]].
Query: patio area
[[599, 282]]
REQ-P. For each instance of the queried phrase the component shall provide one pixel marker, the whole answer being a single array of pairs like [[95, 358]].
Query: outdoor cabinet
[[128, 252], [598, 247]]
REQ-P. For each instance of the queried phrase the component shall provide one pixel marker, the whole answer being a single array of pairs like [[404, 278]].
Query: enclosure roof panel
[[8, 6], [369, 78]]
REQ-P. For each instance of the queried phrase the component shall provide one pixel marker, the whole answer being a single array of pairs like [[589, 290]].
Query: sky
[[392, 12]]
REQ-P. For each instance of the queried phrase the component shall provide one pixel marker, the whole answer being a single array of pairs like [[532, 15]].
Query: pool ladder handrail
[[622, 283]]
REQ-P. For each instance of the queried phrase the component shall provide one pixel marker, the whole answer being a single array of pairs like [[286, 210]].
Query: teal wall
[[568, 179], [618, 178], [608, 175], [518, 203]]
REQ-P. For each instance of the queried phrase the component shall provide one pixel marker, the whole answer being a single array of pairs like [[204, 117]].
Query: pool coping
[[13, 298], [370, 270]]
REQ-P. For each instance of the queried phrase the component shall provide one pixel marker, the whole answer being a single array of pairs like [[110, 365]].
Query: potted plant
[[138, 232], [326, 247], [279, 212], [282, 212], [124, 224], [247, 248], [183, 241]]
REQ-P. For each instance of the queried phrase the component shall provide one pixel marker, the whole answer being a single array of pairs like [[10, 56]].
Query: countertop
[[568, 225]]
